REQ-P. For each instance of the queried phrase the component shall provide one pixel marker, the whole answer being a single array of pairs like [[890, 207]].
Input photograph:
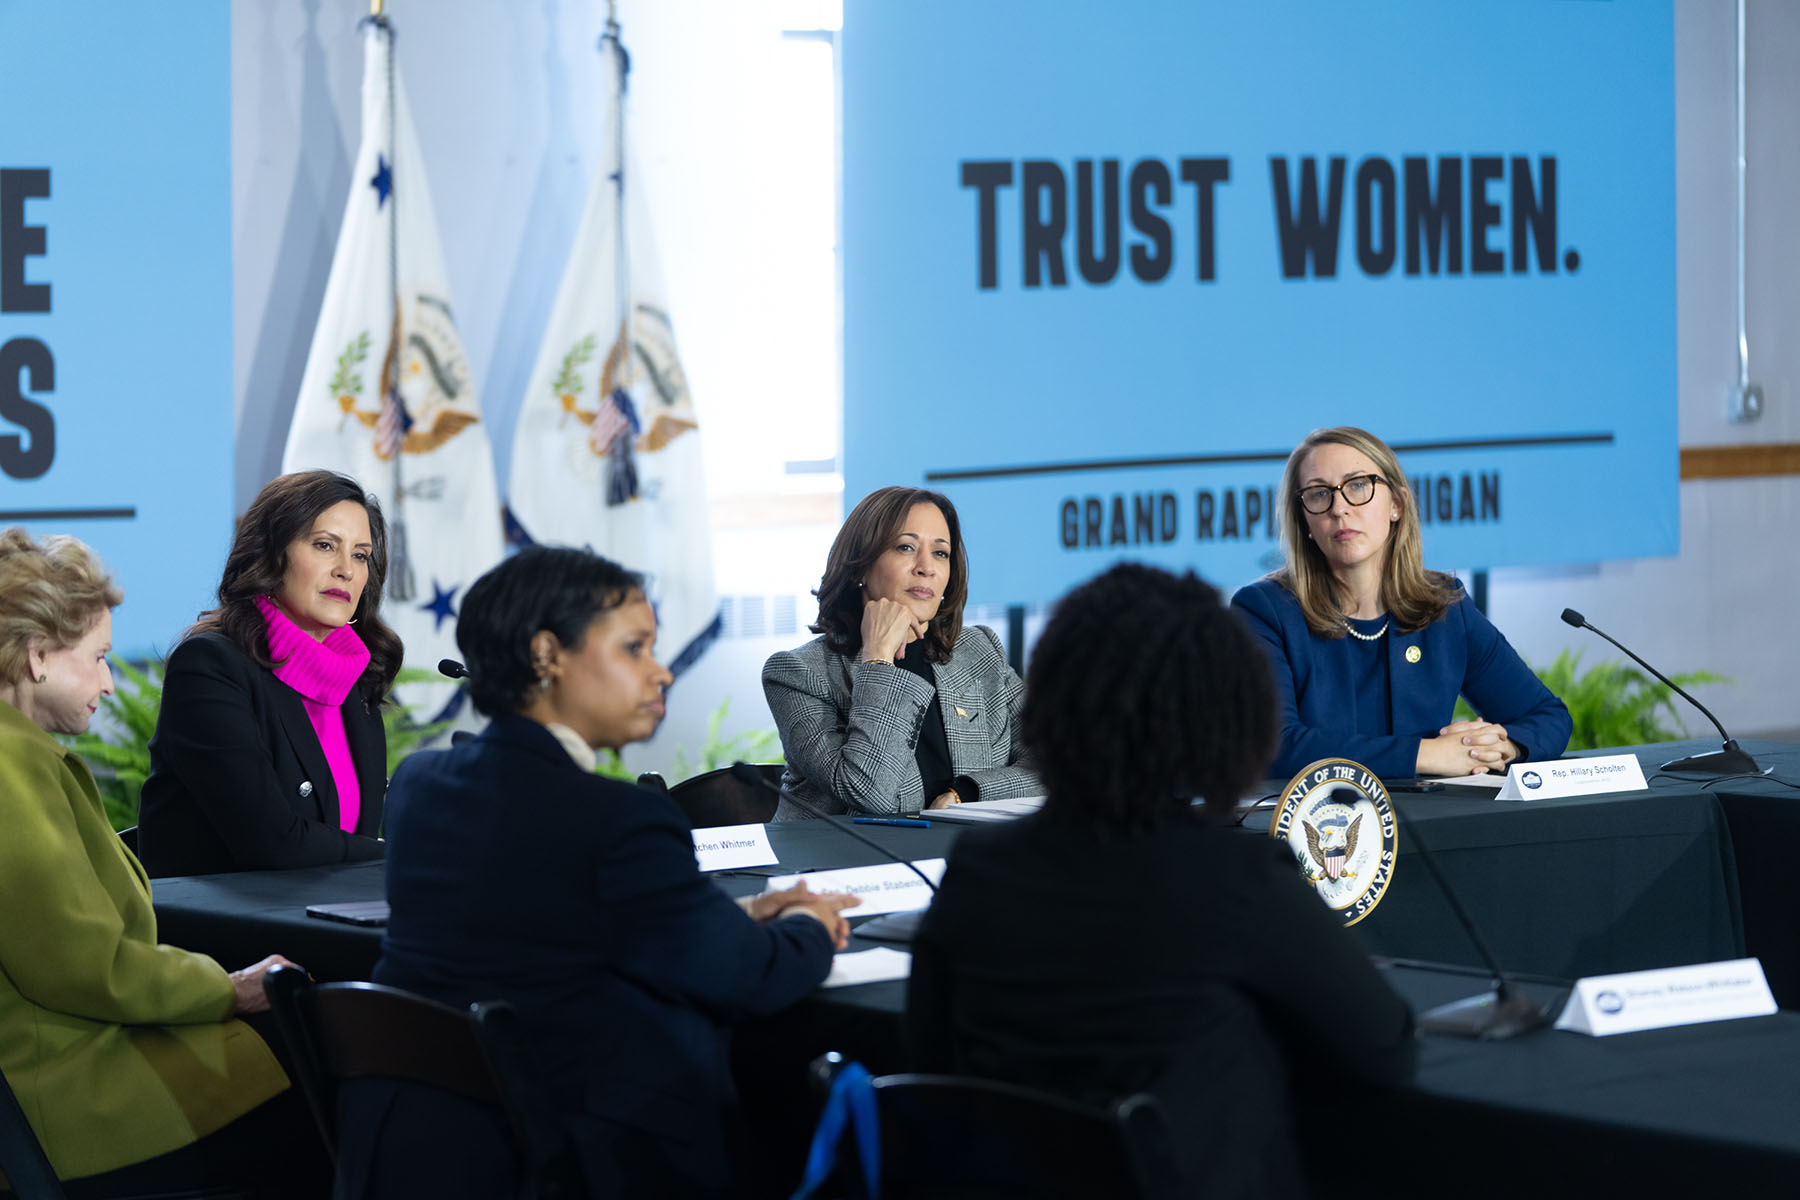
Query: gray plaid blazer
[[849, 728]]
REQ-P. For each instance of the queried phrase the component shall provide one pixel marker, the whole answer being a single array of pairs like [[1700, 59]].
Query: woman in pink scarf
[[269, 751]]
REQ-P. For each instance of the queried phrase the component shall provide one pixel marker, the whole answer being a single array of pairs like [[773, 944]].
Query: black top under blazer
[[514, 875], [238, 780], [1190, 962]]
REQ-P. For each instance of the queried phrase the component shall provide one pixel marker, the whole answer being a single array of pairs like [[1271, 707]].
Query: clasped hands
[[824, 907], [1468, 748]]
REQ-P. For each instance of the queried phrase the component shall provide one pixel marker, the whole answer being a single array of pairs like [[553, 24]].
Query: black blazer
[[1191, 963], [238, 780], [515, 875]]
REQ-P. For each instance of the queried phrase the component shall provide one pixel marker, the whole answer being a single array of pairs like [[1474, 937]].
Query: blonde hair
[[51, 593], [1414, 596]]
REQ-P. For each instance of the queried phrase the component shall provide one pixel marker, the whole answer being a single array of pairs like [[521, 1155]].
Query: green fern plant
[[1612, 703], [122, 757], [750, 745], [405, 733]]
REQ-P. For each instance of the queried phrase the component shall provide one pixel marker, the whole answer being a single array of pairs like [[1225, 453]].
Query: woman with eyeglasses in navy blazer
[[1369, 649]]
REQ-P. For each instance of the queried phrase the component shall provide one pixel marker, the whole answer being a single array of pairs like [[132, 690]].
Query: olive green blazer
[[119, 1049]]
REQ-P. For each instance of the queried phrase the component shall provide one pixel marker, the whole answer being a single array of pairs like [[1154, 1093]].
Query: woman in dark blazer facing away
[[516, 873], [1369, 649], [269, 751], [1125, 940], [896, 706]]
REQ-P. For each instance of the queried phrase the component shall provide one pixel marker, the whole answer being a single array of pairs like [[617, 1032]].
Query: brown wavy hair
[[51, 592], [868, 533], [281, 512], [1414, 596]]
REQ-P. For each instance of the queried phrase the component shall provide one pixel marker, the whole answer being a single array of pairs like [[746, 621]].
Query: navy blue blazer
[[515, 875], [1460, 652]]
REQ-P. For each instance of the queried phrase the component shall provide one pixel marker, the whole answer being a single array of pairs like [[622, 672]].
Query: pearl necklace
[[1366, 637]]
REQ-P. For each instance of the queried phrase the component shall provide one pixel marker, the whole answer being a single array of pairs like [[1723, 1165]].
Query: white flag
[[607, 450], [387, 396]]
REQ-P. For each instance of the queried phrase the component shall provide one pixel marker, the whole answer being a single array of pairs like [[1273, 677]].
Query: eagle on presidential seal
[[1335, 856]]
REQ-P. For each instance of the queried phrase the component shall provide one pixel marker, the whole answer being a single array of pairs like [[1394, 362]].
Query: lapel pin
[[305, 788], [1414, 654], [961, 713]]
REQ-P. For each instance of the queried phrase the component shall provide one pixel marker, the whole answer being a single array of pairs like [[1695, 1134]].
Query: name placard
[[887, 888], [1573, 777], [724, 847], [1603, 1005]]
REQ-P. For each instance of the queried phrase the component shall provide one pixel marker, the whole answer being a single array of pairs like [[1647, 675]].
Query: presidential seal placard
[[1336, 817]]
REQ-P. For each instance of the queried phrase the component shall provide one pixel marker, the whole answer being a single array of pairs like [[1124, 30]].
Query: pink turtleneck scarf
[[323, 673]]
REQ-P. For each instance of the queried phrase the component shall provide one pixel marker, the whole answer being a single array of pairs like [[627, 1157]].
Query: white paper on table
[[868, 966], [1479, 783], [977, 811]]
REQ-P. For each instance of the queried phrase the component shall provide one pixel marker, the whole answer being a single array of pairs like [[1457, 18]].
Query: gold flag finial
[[375, 8]]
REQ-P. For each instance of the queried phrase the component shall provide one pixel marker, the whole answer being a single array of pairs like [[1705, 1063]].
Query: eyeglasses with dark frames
[[1358, 490]]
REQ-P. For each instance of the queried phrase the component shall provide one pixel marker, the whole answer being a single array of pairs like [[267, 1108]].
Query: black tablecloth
[[1560, 888], [1563, 888]]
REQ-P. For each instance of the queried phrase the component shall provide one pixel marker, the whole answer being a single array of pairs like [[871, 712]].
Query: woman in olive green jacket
[[119, 1049]]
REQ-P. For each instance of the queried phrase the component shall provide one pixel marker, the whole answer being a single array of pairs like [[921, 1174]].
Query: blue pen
[[903, 822]]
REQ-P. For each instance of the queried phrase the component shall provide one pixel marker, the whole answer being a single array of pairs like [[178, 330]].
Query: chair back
[[22, 1159], [716, 798], [128, 835], [338, 1032], [949, 1137], [946, 1136]]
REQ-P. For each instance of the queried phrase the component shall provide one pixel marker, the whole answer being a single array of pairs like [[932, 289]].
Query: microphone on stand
[[1731, 760], [748, 774], [1492, 1016], [451, 669]]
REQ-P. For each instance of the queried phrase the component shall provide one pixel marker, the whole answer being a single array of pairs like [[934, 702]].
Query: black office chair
[[25, 1166], [338, 1032], [947, 1137], [128, 835], [715, 798]]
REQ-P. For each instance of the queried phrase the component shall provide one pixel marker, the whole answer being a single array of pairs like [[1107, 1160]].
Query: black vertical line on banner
[[1015, 638], [1478, 580]]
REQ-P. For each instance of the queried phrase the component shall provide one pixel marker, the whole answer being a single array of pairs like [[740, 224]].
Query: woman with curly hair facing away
[[1127, 939], [1369, 649], [269, 750]]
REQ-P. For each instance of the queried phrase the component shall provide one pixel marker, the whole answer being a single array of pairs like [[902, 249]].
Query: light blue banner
[[1104, 268], [115, 293]]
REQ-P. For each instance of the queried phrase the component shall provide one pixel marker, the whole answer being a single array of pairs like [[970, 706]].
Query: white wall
[[503, 92], [1726, 603]]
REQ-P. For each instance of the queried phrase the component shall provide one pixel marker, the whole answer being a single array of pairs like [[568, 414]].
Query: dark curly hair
[[1145, 692], [549, 588], [868, 533], [284, 510]]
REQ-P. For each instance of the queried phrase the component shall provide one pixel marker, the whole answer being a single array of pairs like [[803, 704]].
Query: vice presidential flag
[[607, 450], [387, 396]]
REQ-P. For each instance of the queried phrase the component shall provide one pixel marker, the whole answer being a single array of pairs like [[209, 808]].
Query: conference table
[[1560, 888]]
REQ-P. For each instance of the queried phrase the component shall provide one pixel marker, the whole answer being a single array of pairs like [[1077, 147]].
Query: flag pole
[[621, 478], [400, 584]]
